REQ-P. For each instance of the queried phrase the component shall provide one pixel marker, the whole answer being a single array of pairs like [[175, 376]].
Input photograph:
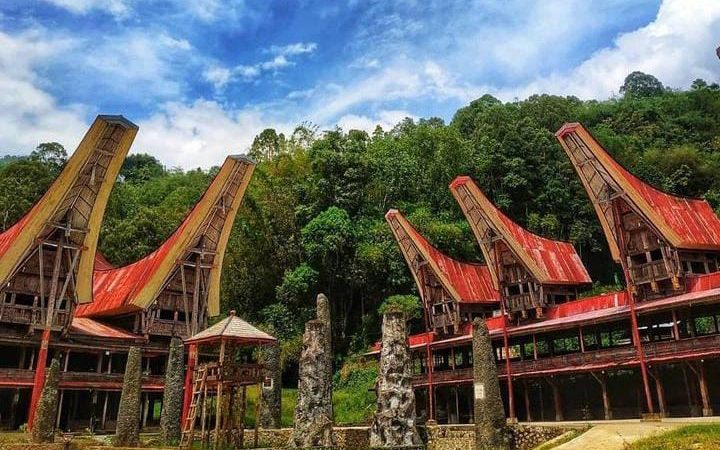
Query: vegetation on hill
[[313, 217]]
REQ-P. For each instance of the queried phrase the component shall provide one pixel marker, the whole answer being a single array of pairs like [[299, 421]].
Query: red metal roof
[[558, 260], [472, 282], [114, 288], [692, 222], [88, 327], [101, 263]]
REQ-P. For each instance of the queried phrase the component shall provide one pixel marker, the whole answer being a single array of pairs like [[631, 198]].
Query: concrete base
[[707, 412], [651, 417], [512, 420]]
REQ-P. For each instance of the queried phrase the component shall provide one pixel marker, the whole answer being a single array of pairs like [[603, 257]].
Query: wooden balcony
[[27, 315], [648, 272], [701, 345]]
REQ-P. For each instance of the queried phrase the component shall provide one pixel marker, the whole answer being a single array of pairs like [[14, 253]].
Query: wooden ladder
[[188, 431]]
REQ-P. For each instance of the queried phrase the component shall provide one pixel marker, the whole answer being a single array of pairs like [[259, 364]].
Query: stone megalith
[[173, 394], [490, 424], [127, 432], [393, 424], [44, 427], [271, 407], [313, 422]]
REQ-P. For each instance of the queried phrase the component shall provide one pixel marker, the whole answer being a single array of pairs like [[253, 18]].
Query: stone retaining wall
[[440, 437]]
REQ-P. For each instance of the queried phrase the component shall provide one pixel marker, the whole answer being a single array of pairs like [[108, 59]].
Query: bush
[[407, 304]]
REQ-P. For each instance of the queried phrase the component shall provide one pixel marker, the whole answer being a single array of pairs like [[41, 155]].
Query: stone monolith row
[[394, 420]]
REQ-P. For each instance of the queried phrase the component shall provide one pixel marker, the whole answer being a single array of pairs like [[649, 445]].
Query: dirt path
[[614, 436]]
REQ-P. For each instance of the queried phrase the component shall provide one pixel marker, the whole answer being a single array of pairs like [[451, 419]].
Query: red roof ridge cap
[[567, 128], [459, 180]]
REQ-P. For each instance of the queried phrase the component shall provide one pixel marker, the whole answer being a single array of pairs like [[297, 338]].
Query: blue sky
[[202, 77]]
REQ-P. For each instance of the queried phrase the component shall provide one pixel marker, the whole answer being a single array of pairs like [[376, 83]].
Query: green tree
[[639, 85]]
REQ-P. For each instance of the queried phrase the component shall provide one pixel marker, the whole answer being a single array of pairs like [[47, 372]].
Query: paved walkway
[[612, 436]]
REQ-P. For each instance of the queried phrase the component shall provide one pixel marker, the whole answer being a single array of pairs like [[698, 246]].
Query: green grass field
[[691, 437], [351, 406]]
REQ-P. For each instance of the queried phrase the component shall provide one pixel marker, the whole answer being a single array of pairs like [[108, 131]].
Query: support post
[[557, 400], [39, 380], [187, 398], [605, 395], [660, 390], [633, 314], [704, 393], [217, 443], [528, 410]]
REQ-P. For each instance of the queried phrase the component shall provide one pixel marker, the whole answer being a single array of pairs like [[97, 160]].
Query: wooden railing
[[26, 315], [669, 348], [25, 376], [241, 373], [651, 271]]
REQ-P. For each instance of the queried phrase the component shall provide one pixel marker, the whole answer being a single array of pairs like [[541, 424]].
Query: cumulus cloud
[[220, 76], [385, 119], [28, 114], [677, 47], [200, 134]]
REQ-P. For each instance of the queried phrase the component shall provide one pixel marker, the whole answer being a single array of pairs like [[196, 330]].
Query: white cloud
[[677, 47], [200, 134], [220, 76], [118, 8], [28, 114], [137, 65], [297, 48], [385, 119]]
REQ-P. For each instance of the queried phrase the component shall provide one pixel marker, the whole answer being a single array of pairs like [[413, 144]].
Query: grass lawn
[[691, 437], [351, 406]]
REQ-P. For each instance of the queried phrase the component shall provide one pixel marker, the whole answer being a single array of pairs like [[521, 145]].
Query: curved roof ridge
[[683, 221], [549, 260], [467, 282], [120, 290]]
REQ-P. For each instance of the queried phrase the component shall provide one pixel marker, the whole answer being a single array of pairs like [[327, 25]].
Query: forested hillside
[[313, 217]]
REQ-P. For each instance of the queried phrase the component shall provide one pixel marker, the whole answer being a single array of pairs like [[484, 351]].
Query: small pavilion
[[220, 383]]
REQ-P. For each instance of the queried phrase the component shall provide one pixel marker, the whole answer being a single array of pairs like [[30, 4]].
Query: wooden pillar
[[602, 380], [217, 443], [59, 411], [692, 405], [257, 415], [704, 393], [526, 391], [676, 329], [146, 408], [105, 407], [39, 380], [188, 390], [557, 399], [662, 404]]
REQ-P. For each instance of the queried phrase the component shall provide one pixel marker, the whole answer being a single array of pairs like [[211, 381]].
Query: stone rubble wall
[[439, 437]]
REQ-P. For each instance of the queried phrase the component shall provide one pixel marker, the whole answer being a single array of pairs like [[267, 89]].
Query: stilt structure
[[221, 383]]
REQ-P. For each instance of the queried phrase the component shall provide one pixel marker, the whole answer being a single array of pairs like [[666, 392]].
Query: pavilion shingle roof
[[232, 328]]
